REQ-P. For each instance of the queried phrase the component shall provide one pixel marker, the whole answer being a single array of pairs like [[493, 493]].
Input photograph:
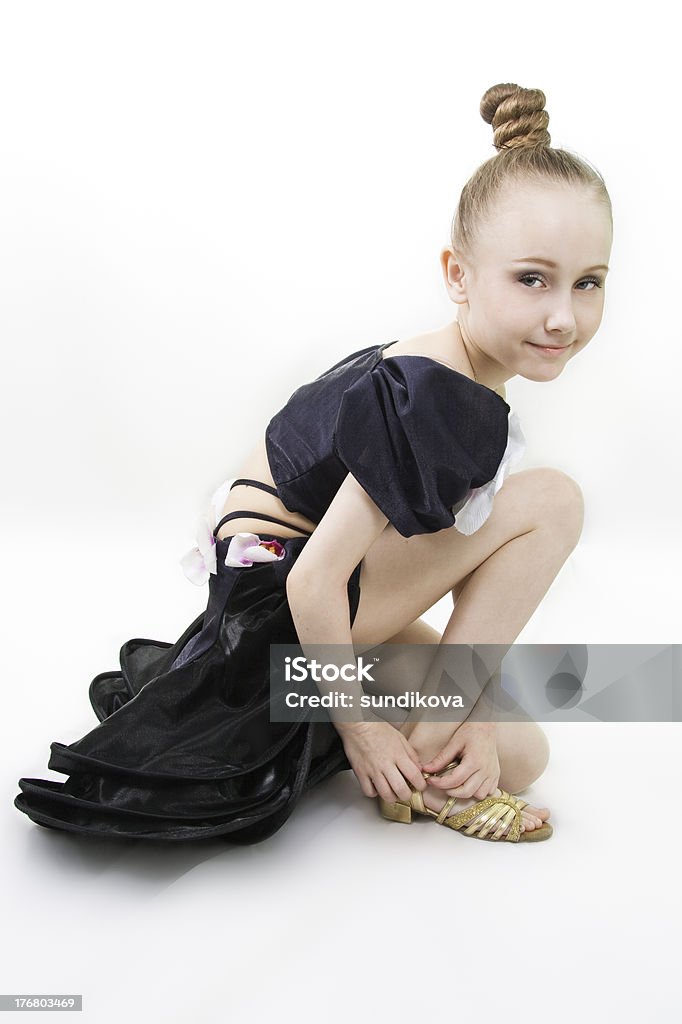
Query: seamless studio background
[[203, 206]]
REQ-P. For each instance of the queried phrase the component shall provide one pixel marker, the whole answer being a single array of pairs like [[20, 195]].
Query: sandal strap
[[417, 802], [443, 813], [494, 820], [505, 820], [483, 816], [493, 814]]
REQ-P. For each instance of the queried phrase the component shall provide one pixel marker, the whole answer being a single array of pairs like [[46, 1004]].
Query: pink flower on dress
[[244, 548], [200, 561], [247, 548]]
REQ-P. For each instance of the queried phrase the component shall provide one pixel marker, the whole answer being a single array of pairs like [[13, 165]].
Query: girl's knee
[[559, 501], [527, 762]]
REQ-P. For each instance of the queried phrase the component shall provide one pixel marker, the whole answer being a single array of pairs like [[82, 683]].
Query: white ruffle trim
[[479, 503]]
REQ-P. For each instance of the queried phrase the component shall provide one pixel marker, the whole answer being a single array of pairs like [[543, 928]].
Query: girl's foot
[[531, 817]]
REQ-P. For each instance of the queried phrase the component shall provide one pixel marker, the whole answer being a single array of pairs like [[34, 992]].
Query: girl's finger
[[413, 774], [457, 777], [414, 757], [439, 761], [468, 788], [366, 786], [383, 788], [398, 784]]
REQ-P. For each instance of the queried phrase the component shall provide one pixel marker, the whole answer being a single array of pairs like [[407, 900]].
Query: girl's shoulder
[[430, 346], [419, 435]]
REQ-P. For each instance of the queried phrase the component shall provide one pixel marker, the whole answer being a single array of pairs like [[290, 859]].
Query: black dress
[[185, 748]]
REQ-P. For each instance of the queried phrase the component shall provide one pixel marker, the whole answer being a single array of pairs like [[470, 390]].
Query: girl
[[382, 469]]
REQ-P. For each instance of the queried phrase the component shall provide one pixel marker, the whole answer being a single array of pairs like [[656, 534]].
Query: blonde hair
[[524, 155]]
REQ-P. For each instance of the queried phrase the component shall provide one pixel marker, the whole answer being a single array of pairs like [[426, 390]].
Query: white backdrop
[[202, 206]]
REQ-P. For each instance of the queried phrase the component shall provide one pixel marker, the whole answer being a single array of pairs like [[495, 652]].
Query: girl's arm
[[381, 757]]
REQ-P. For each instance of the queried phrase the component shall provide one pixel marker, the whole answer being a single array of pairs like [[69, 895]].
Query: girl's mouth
[[552, 351]]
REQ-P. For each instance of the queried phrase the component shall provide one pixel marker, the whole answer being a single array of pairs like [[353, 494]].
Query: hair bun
[[518, 116]]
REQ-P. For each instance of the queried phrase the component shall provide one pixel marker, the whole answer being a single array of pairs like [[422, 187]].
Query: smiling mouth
[[552, 348]]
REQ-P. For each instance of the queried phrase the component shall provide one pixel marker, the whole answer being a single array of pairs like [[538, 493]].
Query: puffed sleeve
[[419, 437]]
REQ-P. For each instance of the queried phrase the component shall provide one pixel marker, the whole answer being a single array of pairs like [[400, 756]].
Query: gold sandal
[[478, 821]]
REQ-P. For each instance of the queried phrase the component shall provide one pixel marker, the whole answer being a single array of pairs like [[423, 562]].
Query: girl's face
[[513, 301]]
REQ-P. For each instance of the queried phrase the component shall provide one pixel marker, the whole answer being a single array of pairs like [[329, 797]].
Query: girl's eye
[[591, 280], [587, 280]]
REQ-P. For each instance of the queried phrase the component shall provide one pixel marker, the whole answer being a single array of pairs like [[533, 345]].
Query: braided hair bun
[[517, 115]]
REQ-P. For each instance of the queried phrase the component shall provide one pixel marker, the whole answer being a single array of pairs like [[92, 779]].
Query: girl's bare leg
[[522, 747], [492, 606], [494, 601]]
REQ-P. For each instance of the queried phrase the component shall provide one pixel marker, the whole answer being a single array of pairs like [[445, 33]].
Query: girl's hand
[[382, 759], [478, 773]]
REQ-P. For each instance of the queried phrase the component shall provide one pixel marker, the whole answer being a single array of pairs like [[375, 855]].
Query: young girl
[[383, 479]]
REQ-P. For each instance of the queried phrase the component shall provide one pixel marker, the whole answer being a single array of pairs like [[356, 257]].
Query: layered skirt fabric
[[185, 748]]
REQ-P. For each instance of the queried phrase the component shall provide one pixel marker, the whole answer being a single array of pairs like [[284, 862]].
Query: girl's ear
[[453, 274]]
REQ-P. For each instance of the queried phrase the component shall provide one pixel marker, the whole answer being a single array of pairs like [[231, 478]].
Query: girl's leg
[[522, 747], [492, 607], [528, 537], [534, 525]]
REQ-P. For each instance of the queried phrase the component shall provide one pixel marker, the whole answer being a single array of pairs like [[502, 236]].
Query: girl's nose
[[561, 320]]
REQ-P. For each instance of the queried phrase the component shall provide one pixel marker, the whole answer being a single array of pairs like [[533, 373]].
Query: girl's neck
[[481, 368]]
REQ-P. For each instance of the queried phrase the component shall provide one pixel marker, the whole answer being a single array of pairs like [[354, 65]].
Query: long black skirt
[[185, 748]]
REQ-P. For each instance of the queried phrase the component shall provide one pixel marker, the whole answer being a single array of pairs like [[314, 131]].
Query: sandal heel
[[395, 811]]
